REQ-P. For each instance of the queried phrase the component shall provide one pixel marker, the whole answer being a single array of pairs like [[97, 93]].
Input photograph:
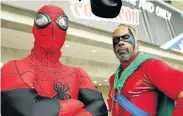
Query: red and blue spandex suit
[[39, 85]]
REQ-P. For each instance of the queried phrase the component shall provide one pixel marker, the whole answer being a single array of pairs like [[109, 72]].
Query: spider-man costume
[[39, 85]]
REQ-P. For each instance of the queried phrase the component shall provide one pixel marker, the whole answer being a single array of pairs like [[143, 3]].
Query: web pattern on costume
[[61, 78]]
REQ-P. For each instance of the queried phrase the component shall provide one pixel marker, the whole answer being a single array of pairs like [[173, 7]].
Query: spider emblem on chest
[[61, 90]]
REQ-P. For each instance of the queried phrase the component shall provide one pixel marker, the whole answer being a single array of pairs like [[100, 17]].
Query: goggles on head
[[42, 20]]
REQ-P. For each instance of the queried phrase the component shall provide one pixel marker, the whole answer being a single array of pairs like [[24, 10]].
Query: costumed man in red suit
[[40, 85], [142, 85]]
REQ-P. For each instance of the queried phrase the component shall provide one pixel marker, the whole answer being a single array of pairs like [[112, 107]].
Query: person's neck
[[45, 57], [125, 64]]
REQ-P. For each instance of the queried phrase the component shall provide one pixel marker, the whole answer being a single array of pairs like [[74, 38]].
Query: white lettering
[[151, 7], [148, 6], [163, 13], [169, 14], [142, 3], [133, 2]]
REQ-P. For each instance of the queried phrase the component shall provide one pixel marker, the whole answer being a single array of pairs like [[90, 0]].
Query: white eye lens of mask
[[41, 20], [62, 22]]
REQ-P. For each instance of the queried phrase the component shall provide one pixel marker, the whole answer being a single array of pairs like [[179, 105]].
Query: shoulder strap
[[129, 106]]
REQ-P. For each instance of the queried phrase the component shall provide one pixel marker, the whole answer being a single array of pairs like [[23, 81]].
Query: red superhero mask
[[50, 26]]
